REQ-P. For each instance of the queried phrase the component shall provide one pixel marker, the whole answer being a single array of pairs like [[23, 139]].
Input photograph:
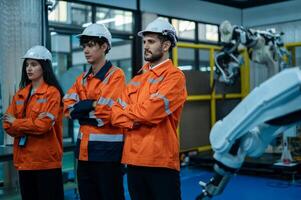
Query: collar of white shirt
[[153, 67]]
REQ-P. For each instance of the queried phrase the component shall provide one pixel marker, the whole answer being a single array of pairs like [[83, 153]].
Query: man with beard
[[149, 110]]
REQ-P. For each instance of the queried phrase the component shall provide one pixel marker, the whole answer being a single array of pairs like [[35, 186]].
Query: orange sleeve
[[171, 95], [119, 117], [70, 99], [11, 130], [46, 119], [109, 95]]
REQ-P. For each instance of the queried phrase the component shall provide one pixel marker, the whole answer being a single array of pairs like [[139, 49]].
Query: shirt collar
[[153, 67], [101, 73], [161, 67], [40, 90]]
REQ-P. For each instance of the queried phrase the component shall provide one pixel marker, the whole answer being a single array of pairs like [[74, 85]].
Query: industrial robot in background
[[270, 109], [263, 47]]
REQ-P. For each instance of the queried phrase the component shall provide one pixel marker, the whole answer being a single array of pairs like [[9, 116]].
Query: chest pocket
[[133, 88], [95, 91], [82, 93], [154, 84], [153, 88], [37, 106], [91, 89]]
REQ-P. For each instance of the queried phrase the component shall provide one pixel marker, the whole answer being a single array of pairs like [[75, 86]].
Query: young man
[[149, 110], [99, 145]]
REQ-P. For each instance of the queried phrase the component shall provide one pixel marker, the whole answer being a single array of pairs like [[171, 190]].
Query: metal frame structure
[[213, 97], [291, 47]]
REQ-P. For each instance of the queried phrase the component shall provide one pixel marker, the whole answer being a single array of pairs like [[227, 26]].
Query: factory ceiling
[[244, 3]]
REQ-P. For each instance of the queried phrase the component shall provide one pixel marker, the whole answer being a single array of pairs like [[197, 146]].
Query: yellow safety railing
[[292, 48], [245, 77], [245, 80]]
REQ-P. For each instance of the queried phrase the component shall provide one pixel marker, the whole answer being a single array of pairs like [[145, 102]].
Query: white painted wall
[[271, 14], [193, 9], [291, 30], [284, 17]]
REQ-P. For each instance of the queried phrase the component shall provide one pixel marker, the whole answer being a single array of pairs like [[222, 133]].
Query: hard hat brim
[[141, 33], [80, 35], [87, 35], [35, 58]]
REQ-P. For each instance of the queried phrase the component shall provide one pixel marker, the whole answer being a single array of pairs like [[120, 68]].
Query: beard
[[153, 57]]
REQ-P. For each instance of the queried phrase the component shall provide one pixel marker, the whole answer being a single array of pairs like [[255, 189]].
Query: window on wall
[[120, 56], [208, 32], [60, 47], [185, 29], [186, 58], [204, 63], [195, 33], [70, 13], [117, 20]]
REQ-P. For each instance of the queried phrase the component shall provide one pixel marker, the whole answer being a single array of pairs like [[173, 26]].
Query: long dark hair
[[48, 76]]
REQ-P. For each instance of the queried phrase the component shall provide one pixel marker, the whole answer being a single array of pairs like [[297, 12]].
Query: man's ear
[[166, 45], [104, 46]]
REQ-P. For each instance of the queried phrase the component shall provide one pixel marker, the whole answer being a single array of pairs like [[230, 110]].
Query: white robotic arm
[[266, 112], [263, 47]]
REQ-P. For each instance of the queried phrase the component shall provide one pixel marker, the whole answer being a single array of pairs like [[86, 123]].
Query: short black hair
[[164, 38], [86, 39]]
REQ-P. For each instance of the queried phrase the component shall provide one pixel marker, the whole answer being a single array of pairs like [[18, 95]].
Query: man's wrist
[[94, 104]]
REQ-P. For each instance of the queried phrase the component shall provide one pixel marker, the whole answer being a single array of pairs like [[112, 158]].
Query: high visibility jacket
[[43, 126], [98, 140], [150, 110]]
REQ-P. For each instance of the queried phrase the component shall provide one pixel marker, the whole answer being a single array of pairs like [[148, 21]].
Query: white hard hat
[[97, 30], [39, 53], [163, 27]]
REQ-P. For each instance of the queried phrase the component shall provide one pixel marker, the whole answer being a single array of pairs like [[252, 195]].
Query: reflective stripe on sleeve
[[155, 80], [134, 83], [166, 101], [49, 115], [109, 75], [73, 96], [105, 101], [122, 103], [19, 102], [41, 100]]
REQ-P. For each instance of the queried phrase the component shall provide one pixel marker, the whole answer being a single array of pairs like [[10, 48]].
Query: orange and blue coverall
[[97, 140]]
